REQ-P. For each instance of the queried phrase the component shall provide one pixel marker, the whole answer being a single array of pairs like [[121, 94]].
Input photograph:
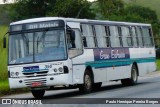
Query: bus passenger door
[[74, 52]]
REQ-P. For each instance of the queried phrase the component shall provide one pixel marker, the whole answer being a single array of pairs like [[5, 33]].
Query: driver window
[[74, 42]]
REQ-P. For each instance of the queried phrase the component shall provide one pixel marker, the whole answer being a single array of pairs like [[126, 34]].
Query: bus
[[53, 52]]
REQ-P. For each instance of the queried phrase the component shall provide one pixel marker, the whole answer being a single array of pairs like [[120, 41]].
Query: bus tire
[[38, 93], [134, 77], [97, 86], [87, 85]]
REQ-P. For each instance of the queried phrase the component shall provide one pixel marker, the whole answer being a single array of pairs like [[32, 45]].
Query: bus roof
[[78, 20]]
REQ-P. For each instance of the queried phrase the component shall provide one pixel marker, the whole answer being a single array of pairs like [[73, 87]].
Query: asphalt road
[[147, 87]]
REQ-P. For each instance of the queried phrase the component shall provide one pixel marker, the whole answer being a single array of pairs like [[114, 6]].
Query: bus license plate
[[36, 84]]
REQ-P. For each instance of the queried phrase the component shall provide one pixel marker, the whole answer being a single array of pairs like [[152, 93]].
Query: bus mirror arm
[[4, 40]]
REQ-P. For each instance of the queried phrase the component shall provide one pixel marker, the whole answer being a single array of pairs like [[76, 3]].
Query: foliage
[[24, 9], [116, 10], [72, 8], [158, 53], [144, 15], [110, 7], [158, 64], [3, 55], [4, 11], [152, 4], [147, 14]]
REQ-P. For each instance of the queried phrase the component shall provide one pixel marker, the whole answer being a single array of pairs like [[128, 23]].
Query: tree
[[144, 15], [4, 18], [110, 7], [147, 14], [116, 11], [24, 9], [72, 8]]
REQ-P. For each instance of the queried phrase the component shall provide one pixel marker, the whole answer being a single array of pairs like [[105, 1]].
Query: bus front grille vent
[[36, 74], [29, 82]]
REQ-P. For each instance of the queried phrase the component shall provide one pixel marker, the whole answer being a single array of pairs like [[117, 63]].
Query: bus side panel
[[79, 65], [145, 68], [145, 59], [100, 74], [116, 73], [78, 72]]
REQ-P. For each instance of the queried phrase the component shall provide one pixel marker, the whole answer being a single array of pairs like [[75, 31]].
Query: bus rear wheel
[[38, 93], [134, 77], [87, 85]]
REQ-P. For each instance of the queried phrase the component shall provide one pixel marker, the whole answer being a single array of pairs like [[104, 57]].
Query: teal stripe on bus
[[121, 62]]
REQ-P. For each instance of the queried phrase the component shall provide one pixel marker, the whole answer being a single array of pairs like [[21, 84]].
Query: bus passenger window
[[147, 37], [88, 34], [101, 36], [114, 36], [134, 36], [126, 37], [140, 40]]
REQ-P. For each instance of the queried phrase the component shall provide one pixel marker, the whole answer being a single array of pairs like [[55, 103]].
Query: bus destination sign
[[43, 25], [37, 25]]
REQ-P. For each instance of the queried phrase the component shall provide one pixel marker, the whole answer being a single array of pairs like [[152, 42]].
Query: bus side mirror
[[4, 42]]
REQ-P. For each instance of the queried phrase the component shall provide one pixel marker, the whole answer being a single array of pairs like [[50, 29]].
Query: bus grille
[[38, 74], [28, 82]]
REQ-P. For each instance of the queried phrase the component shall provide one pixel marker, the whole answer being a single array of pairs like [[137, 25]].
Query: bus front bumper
[[35, 82]]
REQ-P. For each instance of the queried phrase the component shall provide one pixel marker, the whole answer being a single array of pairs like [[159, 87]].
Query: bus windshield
[[37, 46]]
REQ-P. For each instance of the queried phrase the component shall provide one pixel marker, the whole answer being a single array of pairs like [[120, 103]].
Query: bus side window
[[140, 39], [147, 36], [134, 36], [101, 36], [108, 38], [114, 36], [88, 39], [70, 40], [74, 42], [126, 36]]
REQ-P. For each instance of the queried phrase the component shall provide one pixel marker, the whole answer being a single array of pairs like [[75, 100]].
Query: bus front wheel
[[134, 77], [38, 93], [87, 85]]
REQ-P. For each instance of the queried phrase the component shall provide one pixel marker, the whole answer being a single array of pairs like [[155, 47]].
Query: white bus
[[53, 52]]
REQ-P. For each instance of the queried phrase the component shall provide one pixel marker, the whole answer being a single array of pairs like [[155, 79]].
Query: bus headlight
[[17, 73], [55, 70], [12, 74], [60, 69]]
